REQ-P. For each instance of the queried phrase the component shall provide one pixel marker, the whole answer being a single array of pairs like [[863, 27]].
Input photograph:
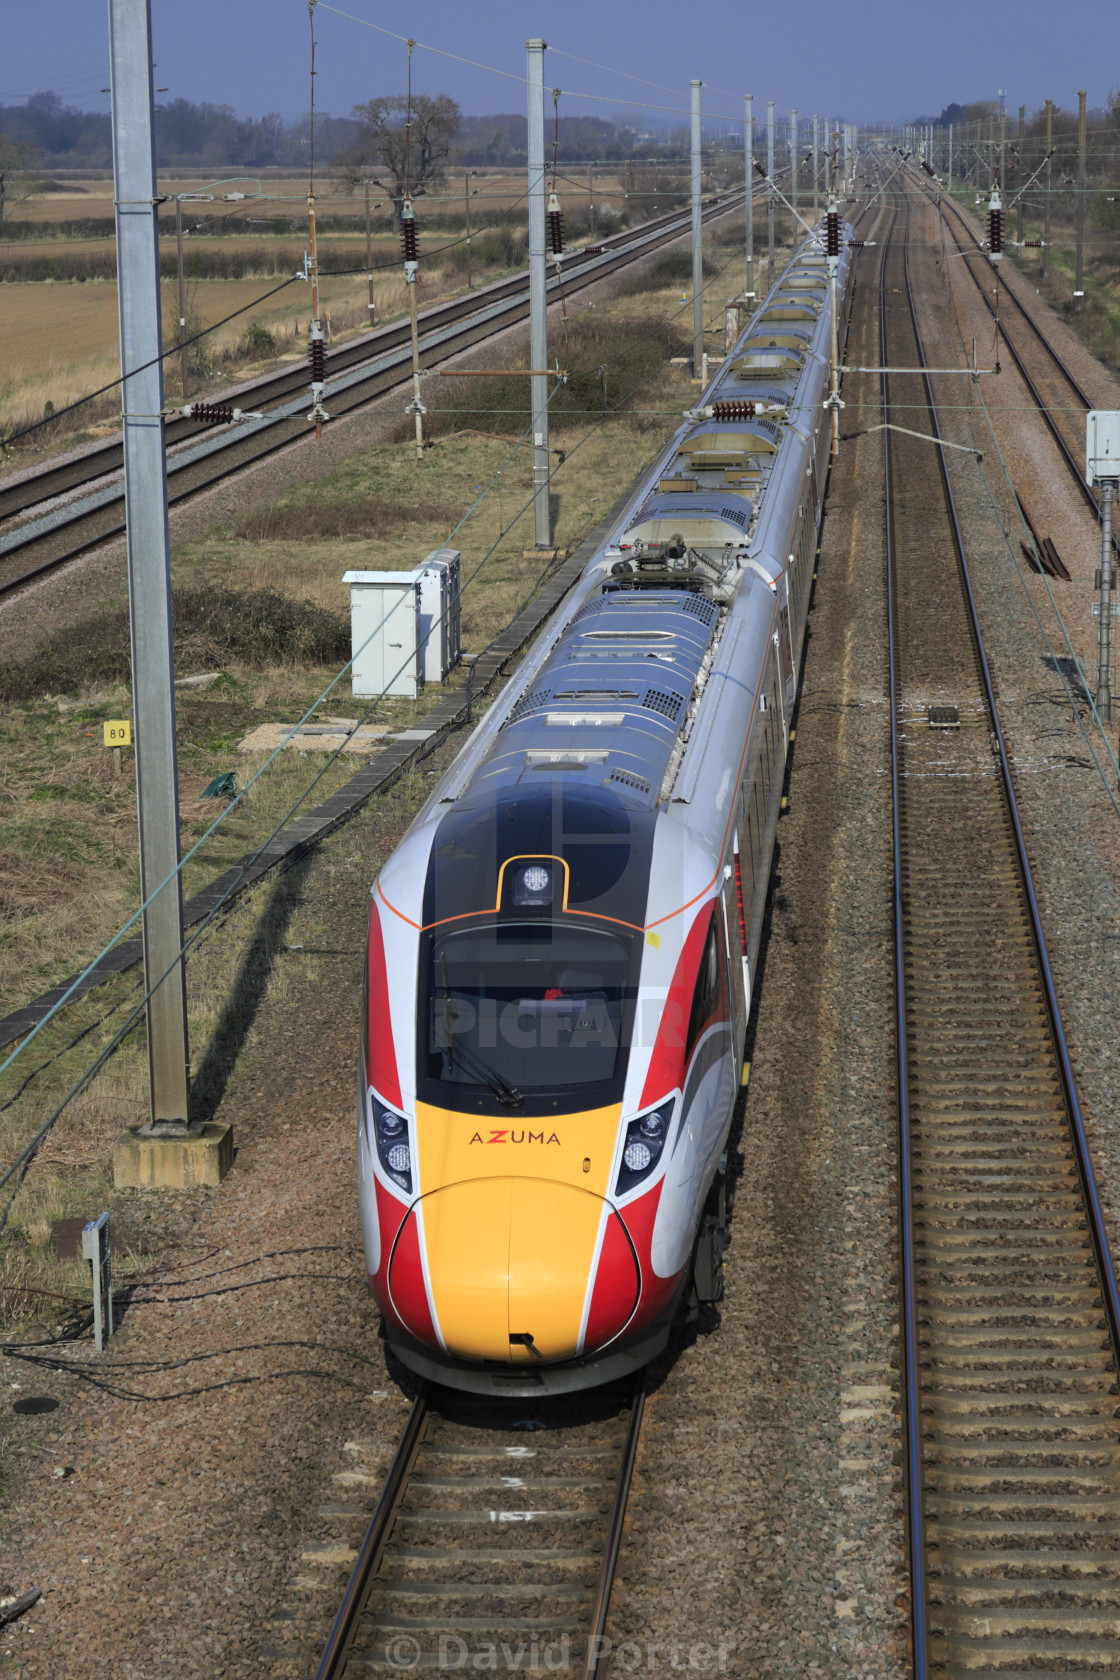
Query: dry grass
[[58, 341]]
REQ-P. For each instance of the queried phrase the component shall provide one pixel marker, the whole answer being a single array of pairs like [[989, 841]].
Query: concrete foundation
[[143, 1162]]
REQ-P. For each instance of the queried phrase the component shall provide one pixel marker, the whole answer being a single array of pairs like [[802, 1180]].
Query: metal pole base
[[1103, 703]]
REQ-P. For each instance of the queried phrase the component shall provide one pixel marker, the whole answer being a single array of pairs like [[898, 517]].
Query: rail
[[1004, 1350], [441, 1456]]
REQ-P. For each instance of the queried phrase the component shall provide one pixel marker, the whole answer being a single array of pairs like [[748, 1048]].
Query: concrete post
[[1079, 280], [538, 299], [697, 240], [748, 130], [182, 294], [950, 160], [1046, 211], [149, 563], [769, 190], [1104, 693], [816, 170], [371, 305], [793, 169], [1021, 174]]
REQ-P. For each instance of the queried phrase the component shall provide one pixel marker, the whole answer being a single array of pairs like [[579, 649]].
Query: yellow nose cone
[[510, 1256]]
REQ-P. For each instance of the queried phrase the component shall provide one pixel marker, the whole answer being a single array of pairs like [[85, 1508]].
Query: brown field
[[58, 341], [287, 194]]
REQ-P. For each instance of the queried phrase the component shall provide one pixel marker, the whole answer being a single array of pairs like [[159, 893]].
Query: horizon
[[263, 62]]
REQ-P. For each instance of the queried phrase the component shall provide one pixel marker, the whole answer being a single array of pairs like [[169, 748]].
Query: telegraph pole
[[769, 189], [1079, 281], [149, 560], [538, 300], [748, 130], [950, 160], [697, 240]]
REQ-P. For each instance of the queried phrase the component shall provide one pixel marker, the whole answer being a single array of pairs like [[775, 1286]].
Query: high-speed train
[[561, 948]]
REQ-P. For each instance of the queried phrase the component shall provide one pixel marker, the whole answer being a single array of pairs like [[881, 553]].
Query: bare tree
[[398, 154], [16, 184]]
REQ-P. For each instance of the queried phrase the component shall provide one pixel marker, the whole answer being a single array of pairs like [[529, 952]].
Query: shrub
[[213, 627]]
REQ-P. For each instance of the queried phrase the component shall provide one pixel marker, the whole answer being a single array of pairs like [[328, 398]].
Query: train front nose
[[509, 1262]]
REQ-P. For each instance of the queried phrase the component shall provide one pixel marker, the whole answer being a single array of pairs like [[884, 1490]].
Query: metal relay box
[[1102, 444]]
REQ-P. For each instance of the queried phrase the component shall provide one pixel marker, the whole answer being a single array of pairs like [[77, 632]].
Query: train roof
[[610, 702]]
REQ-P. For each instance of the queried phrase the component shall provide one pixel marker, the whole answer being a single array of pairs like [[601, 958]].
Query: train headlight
[[390, 1132], [645, 1141], [638, 1156], [532, 886]]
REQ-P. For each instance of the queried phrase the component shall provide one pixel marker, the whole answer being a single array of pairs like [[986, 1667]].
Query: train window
[[706, 995], [526, 1008]]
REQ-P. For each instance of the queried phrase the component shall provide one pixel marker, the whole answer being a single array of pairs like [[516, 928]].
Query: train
[[563, 945]]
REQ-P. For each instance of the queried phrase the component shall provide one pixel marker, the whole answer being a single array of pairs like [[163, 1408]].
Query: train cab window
[[516, 1012], [706, 995]]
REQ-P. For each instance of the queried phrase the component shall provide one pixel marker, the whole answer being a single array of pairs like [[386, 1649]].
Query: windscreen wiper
[[508, 1095]]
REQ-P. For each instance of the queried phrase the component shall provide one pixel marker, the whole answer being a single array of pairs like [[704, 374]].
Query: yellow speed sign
[[118, 732]]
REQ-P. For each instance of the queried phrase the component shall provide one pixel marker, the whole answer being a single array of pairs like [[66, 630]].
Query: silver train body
[[563, 945]]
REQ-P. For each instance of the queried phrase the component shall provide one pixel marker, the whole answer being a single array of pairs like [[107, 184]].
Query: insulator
[[995, 231], [409, 249], [555, 226], [212, 414], [733, 410], [1035, 244], [832, 233], [759, 167], [857, 244], [927, 168], [317, 355]]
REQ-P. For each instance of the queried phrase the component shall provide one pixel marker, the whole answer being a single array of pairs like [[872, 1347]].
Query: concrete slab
[[153, 1163]]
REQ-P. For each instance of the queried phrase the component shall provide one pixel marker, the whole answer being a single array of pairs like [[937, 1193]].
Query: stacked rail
[[1011, 1310]]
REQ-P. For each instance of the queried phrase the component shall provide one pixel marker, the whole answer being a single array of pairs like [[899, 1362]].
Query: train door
[[735, 941], [784, 639]]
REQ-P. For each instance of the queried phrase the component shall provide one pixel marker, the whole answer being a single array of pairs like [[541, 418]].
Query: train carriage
[[562, 947]]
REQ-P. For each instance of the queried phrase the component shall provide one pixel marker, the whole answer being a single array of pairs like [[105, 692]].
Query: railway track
[[1048, 379], [357, 374], [499, 1524], [1010, 1303]]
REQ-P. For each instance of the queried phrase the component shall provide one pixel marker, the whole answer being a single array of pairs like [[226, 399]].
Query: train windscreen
[[531, 1015]]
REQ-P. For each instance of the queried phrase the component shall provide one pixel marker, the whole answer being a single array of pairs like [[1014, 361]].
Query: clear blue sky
[[865, 59]]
